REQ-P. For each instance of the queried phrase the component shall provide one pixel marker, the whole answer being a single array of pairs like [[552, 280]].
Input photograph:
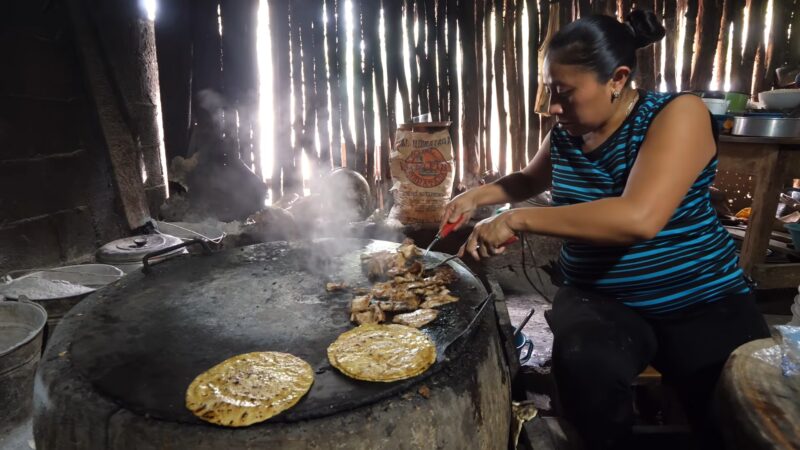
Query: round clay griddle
[[145, 338]]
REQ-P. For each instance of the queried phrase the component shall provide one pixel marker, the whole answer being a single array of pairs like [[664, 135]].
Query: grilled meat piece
[[372, 315], [443, 297], [416, 319], [360, 304], [334, 287], [409, 250], [400, 301]]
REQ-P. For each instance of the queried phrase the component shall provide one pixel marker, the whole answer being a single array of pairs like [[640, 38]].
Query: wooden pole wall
[[461, 60]]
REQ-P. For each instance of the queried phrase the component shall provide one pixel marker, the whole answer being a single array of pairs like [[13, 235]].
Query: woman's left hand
[[488, 236]]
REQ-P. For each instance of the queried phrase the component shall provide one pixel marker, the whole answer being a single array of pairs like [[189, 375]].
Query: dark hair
[[602, 44]]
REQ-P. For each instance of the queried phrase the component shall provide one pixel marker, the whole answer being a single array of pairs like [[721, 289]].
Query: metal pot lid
[[133, 249], [143, 340]]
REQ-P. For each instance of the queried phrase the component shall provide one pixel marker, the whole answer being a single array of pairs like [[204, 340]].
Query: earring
[[614, 96]]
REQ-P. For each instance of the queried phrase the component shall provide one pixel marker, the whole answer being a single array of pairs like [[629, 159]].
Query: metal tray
[[766, 126]]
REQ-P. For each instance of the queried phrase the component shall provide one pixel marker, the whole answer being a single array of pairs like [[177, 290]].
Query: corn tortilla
[[385, 353], [249, 388]]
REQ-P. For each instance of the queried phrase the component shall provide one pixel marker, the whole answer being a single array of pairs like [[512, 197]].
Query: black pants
[[601, 345]]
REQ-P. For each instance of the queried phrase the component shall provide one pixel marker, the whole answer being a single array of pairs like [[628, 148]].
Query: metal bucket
[[21, 327], [89, 276]]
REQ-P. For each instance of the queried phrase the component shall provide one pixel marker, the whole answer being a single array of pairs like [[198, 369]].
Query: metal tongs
[[450, 226]]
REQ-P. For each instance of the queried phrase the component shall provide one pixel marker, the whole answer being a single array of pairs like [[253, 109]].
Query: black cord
[[525, 271]]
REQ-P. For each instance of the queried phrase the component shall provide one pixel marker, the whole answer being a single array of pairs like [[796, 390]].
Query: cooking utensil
[[443, 232], [127, 253], [442, 349], [147, 265], [765, 126], [524, 322], [441, 263], [450, 226]]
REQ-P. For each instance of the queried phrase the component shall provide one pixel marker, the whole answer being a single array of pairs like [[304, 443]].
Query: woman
[[651, 276]]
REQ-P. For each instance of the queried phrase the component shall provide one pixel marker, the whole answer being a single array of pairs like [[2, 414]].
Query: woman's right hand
[[460, 209]]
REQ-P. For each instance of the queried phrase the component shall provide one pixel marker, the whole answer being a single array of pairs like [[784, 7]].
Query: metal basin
[[766, 126], [21, 326]]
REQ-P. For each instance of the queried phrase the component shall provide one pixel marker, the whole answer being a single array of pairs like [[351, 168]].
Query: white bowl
[[780, 98], [717, 106]]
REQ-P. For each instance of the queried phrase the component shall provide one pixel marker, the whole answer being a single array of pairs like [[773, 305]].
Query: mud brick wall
[[57, 197]]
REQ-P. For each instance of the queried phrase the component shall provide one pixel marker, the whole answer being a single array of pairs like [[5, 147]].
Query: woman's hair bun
[[645, 27]]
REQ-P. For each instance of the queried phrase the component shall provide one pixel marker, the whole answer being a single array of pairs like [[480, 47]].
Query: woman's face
[[579, 102]]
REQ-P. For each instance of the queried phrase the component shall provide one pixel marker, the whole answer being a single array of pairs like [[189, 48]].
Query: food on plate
[[249, 388], [416, 319], [382, 353]]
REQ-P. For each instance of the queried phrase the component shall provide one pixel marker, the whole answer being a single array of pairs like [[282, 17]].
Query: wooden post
[[722, 43], [344, 95], [413, 71], [395, 74], [499, 10], [422, 59], [514, 94], [488, 80], [384, 143], [431, 27], [174, 47], [321, 88], [737, 18], [522, 134], [331, 33], [658, 47], [480, 15], [755, 33], [370, 11], [283, 174], [469, 71], [240, 77], [793, 50], [452, 77], [296, 12], [671, 24], [206, 57], [306, 99], [116, 133], [443, 62], [533, 78], [776, 47], [645, 77], [708, 33], [357, 20], [689, 41]]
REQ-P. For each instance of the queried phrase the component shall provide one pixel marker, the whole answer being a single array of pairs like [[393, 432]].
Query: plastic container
[[717, 106], [780, 98]]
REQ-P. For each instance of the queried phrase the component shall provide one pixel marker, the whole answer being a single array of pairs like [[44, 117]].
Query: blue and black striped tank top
[[692, 260]]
